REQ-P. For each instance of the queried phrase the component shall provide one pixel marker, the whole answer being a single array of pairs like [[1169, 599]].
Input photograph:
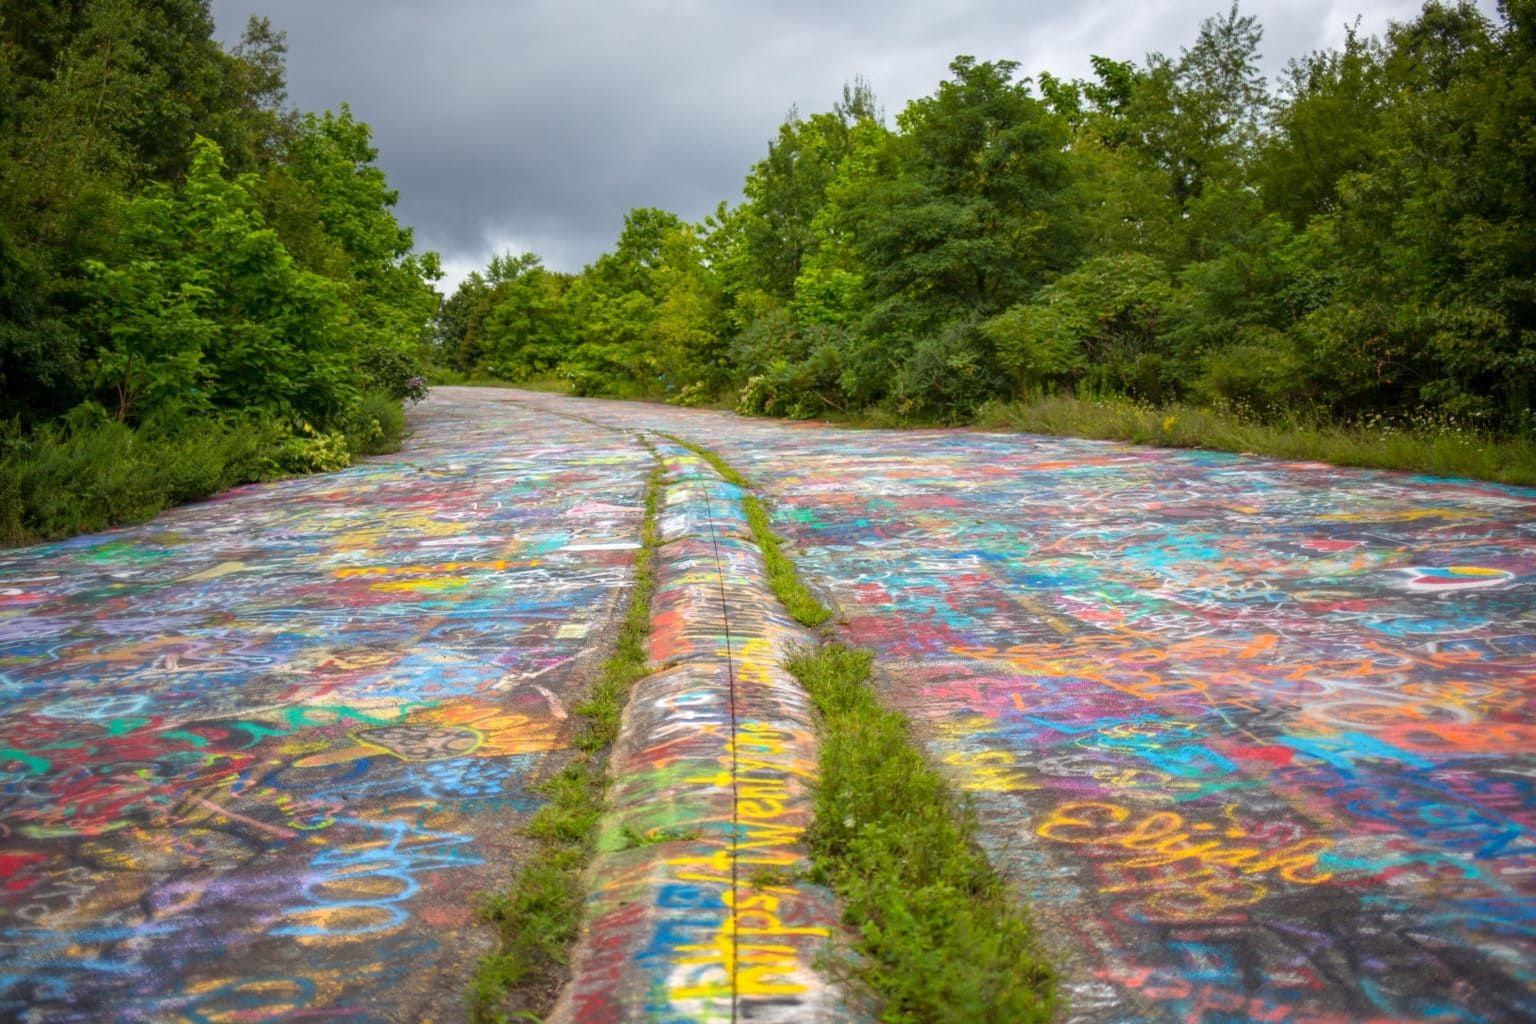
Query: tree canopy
[[175, 241], [1357, 242]]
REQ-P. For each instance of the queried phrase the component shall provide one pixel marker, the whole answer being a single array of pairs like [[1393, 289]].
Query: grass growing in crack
[[635, 839], [768, 878], [782, 578], [941, 936], [538, 917]]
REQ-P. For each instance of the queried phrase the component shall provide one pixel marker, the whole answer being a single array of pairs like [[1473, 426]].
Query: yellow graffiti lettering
[[1163, 839]]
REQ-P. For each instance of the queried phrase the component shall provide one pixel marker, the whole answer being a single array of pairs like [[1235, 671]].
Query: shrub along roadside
[[91, 472], [941, 937], [538, 916], [85, 476]]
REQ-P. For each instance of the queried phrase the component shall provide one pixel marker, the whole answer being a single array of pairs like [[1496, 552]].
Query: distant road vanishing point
[[1254, 739]]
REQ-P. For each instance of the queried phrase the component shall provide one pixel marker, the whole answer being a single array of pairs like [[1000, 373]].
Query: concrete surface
[[697, 912], [259, 754], [1254, 738]]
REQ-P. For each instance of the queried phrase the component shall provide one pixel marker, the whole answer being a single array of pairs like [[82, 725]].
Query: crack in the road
[[730, 670]]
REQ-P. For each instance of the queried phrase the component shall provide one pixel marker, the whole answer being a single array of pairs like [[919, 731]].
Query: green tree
[[786, 189], [1200, 117], [689, 333], [1324, 128], [1441, 227], [390, 299], [614, 303], [526, 327], [207, 309], [978, 216]]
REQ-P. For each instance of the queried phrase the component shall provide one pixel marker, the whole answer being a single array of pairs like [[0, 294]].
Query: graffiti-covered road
[[257, 757], [1256, 739]]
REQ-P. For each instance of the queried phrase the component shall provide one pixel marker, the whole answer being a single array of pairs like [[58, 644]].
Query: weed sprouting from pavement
[[539, 916], [783, 580], [941, 937], [634, 839]]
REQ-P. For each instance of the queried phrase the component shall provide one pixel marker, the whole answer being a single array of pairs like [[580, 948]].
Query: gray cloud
[[535, 124]]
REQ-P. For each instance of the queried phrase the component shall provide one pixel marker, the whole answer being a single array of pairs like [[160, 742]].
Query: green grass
[[62, 480], [1427, 447], [782, 578], [89, 472], [539, 916], [941, 937], [555, 383]]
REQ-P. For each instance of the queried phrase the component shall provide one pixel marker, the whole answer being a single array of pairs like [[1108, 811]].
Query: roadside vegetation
[[1441, 447], [199, 286], [783, 580], [537, 918], [1337, 265], [940, 935]]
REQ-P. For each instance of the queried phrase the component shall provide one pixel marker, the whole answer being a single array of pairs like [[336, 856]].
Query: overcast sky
[[535, 124]]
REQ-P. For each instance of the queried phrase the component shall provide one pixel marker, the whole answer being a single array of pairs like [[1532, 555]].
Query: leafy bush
[[388, 368], [91, 472], [313, 451], [692, 395], [1099, 321], [950, 375], [1258, 374], [444, 376], [376, 426], [794, 370], [1037, 345], [772, 337]]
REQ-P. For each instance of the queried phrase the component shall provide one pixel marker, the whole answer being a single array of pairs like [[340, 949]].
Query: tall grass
[[90, 472], [1426, 446], [942, 936]]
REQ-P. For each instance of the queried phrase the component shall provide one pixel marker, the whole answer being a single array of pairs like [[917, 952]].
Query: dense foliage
[[182, 256], [1359, 243]]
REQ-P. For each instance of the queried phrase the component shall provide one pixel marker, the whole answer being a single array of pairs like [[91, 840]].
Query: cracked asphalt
[[1253, 738], [258, 756]]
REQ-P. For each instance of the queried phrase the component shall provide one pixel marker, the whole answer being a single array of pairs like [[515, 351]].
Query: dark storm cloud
[[533, 124]]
